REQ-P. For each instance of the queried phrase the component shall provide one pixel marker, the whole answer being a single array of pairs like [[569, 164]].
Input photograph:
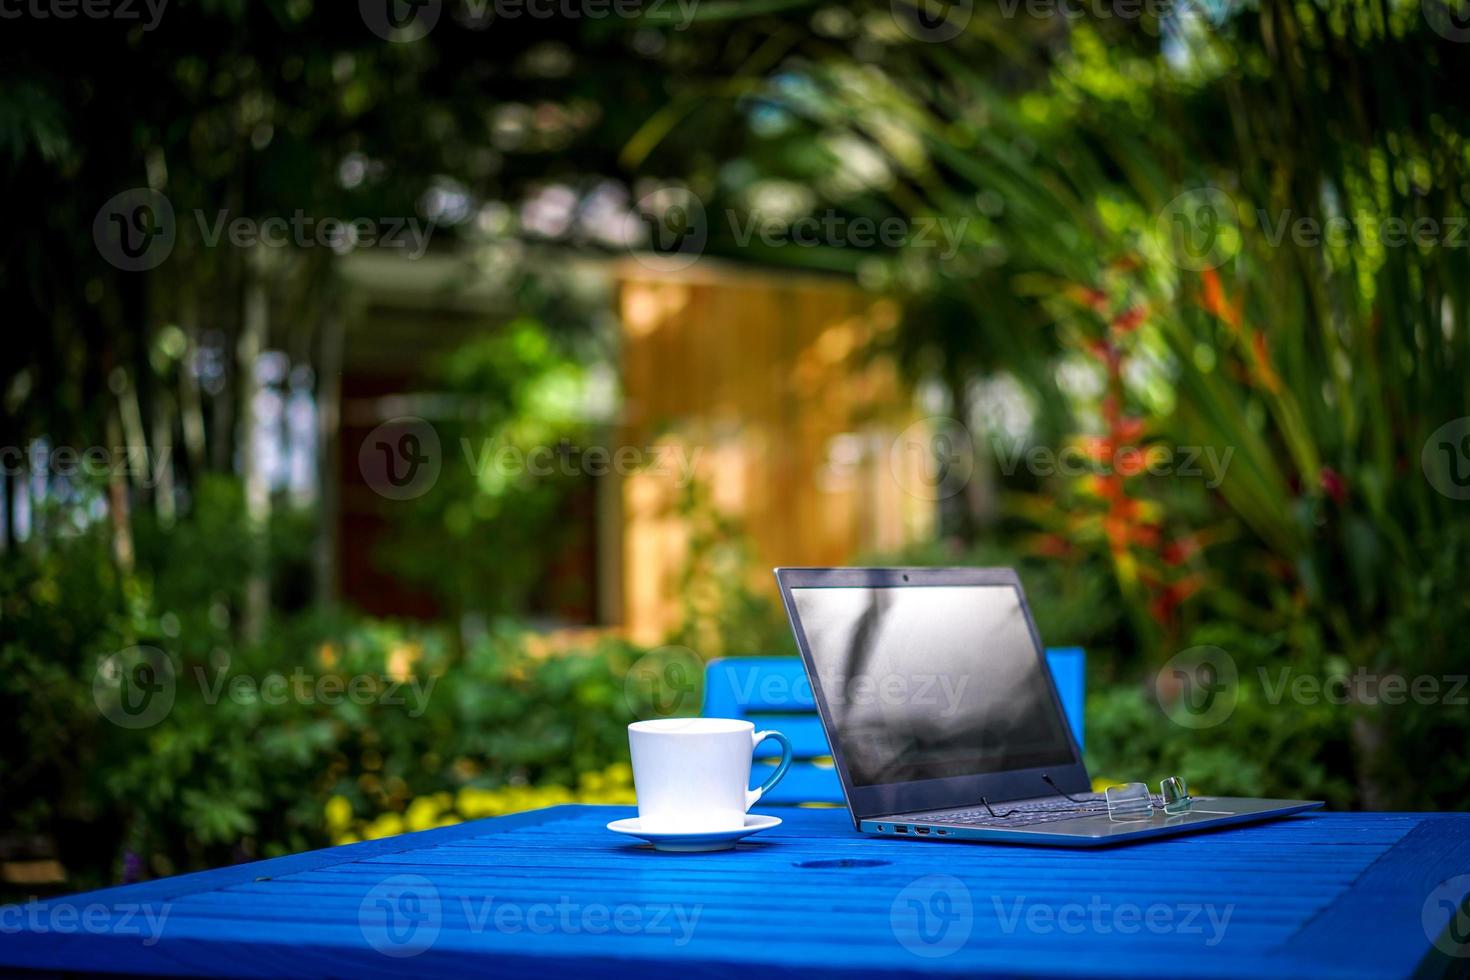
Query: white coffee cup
[[692, 774]]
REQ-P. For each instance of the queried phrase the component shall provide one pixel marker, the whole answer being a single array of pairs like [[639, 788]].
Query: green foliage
[[1130, 191], [723, 614], [509, 471], [1054, 149], [260, 735], [1253, 752]]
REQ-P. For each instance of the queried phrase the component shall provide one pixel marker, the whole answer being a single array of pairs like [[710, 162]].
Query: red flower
[[1334, 485], [1096, 448], [1116, 531], [1178, 551], [1166, 602], [1129, 320], [1106, 353], [1108, 487], [1052, 545], [1215, 301], [1125, 508], [1129, 429]]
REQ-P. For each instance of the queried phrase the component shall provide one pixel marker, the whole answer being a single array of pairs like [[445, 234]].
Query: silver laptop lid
[[932, 686]]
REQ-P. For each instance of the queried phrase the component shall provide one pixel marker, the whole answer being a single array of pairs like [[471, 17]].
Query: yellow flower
[[619, 774], [422, 813], [339, 813], [473, 803], [556, 795], [387, 825]]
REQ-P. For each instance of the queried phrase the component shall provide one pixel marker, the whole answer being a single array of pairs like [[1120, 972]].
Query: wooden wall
[[770, 378]]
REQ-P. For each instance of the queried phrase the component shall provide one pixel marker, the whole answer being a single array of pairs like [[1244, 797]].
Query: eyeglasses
[[1132, 801]]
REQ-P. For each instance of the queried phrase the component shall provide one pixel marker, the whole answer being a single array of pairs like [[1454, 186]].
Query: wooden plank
[[1407, 878], [762, 373], [804, 782], [810, 897], [735, 686], [1069, 672]]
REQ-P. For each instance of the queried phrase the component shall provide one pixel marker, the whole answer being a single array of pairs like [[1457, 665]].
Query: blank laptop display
[[926, 683]]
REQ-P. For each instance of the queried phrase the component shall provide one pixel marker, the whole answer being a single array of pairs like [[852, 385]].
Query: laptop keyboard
[[1022, 814]]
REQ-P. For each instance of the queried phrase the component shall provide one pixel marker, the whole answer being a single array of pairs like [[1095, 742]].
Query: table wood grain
[[552, 893]]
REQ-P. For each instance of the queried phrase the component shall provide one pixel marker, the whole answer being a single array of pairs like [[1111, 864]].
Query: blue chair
[[773, 692]]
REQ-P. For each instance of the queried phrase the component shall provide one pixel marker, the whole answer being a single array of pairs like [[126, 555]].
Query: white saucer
[[720, 840]]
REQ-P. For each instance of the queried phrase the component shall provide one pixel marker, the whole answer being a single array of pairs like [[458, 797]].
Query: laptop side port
[[921, 830], [900, 828]]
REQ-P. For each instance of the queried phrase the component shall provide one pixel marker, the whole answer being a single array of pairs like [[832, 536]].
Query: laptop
[[943, 718]]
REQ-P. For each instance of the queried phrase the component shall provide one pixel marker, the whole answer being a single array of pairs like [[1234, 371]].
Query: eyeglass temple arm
[[1046, 778]]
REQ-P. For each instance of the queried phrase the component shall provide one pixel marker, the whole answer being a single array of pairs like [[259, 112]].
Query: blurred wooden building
[[763, 382], [769, 378]]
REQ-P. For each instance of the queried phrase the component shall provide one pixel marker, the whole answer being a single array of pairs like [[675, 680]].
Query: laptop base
[[1208, 813]]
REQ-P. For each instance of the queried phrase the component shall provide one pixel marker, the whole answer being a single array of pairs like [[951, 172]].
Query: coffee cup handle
[[753, 795]]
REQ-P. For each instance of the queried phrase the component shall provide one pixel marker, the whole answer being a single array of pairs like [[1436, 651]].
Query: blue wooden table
[[551, 893]]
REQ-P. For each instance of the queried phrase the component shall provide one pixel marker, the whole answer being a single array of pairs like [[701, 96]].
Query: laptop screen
[[927, 682]]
